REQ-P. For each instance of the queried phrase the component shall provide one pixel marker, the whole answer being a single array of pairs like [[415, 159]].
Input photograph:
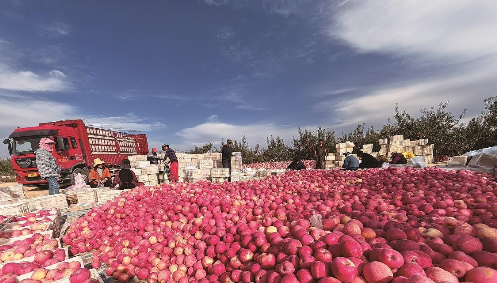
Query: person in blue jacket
[[351, 162]]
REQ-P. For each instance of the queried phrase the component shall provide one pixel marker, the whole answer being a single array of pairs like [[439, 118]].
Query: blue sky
[[189, 72]]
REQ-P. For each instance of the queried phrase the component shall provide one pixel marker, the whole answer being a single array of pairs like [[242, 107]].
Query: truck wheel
[[82, 171]]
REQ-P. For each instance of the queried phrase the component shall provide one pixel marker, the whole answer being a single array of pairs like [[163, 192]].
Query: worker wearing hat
[[152, 156], [99, 175], [173, 162], [226, 153], [47, 166]]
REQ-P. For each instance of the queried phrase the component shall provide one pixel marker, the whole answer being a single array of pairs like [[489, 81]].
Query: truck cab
[[23, 143]]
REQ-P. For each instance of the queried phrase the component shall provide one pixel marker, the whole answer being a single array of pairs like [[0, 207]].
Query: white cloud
[[57, 29], [216, 2], [215, 131], [24, 111], [456, 38], [465, 91], [29, 81], [225, 33], [443, 28]]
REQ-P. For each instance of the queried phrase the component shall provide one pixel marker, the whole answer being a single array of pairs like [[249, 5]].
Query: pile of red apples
[[310, 164], [376, 226]]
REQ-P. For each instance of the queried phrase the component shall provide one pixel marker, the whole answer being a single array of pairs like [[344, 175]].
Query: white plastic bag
[[418, 160], [385, 165], [316, 221]]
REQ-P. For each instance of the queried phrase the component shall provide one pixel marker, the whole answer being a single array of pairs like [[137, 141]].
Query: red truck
[[76, 146]]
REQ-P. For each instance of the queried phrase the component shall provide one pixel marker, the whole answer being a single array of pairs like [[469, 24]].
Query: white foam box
[[397, 138], [86, 196], [137, 158], [219, 180], [14, 191], [206, 164], [142, 178], [220, 172], [341, 145], [46, 202], [218, 163], [330, 157], [142, 164], [383, 141], [137, 171], [152, 169], [53, 266], [152, 178], [367, 146], [104, 196], [17, 208], [349, 144]]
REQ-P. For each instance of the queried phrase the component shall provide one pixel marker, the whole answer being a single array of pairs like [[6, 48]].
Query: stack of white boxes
[[145, 172], [329, 163], [398, 144], [341, 149], [207, 166]]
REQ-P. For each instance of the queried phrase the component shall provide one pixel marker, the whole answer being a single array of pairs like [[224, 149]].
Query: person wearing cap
[[99, 175], [351, 162], [320, 154], [47, 166], [152, 156], [173, 162], [125, 178]]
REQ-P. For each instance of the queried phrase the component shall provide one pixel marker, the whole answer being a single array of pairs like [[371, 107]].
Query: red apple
[[80, 275], [377, 272], [344, 269]]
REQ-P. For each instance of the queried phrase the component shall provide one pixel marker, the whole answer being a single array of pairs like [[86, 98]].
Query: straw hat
[[97, 161]]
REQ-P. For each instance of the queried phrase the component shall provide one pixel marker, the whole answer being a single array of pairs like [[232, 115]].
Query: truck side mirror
[[7, 142]]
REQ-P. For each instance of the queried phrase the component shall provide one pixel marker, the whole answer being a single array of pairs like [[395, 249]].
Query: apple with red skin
[[285, 267], [80, 275], [419, 279], [437, 274], [456, 267], [485, 258], [304, 276], [391, 258], [267, 261], [274, 277], [377, 272], [319, 269], [468, 244], [344, 269], [329, 280], [481, 275], [323, 255], [458, 255], [289, 278], [350, 248]]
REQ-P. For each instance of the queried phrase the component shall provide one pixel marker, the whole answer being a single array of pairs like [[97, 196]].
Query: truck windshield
[[25, 145]]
